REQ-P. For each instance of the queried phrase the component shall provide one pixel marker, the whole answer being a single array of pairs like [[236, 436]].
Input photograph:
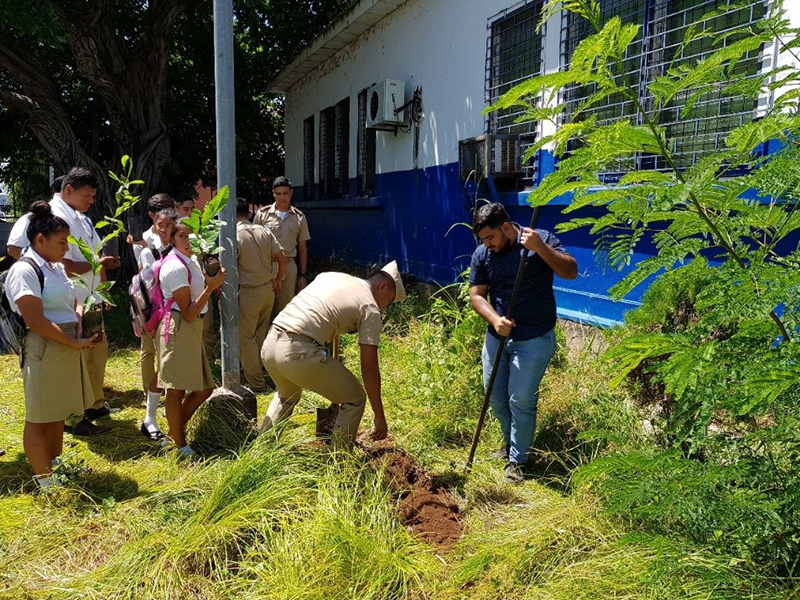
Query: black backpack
[[12, 326]]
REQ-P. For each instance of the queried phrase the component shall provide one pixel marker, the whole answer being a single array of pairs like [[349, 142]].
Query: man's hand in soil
[[380, 431], [110, 262]]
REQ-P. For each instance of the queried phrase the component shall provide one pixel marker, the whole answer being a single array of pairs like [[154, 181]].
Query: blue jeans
[[516, 388]]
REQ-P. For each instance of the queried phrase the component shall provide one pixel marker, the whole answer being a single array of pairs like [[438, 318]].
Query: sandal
[[155, 435]]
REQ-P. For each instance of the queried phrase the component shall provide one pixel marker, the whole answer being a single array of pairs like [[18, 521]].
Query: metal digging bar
[[503, 340]]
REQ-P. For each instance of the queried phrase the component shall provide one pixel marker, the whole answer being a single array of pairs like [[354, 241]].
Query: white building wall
[[422, 43]]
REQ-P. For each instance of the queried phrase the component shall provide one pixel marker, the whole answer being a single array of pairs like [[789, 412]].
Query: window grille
[[365, 150], [327, 166], [342, 148], [664, 23], [513, 54], [308, 158]]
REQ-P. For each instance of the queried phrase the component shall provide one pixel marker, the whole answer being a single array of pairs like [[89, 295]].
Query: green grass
[[281, 517]]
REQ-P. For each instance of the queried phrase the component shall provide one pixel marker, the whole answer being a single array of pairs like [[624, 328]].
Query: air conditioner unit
[[490, 155], [383, 101]]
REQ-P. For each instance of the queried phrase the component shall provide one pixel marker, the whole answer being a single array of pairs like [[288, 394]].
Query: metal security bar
[[342, 148], [327, 166], [308, 158], [664, 23], [513, 54], [365, 150]]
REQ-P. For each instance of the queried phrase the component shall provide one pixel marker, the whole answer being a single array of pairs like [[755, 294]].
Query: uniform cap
[[400, 290]]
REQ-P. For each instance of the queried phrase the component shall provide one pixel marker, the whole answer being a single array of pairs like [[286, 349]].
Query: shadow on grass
[[124, 441], [15, 475], [127, 399]]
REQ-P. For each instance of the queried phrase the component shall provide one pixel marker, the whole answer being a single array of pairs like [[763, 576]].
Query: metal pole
[[512, 303], [226, 175]]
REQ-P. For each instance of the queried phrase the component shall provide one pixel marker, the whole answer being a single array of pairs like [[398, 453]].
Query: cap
[[400, 290]]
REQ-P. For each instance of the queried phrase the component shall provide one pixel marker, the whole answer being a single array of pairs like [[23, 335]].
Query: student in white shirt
[[78, 191], [163, 222], [151, 238], [54, 372], [182, 363], [18, 237]]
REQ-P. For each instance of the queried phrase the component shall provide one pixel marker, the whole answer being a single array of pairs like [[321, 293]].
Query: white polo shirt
[[80, 227], [174, 275], [19, 233], [144, 256], [58, 297]]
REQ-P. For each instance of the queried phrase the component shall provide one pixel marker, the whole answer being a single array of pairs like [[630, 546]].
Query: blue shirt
[[535, 311]]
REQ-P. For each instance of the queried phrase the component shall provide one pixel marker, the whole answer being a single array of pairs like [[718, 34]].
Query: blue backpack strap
[[28, 260]]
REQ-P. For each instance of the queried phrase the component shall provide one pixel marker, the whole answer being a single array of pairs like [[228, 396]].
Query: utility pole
[[226, 175]]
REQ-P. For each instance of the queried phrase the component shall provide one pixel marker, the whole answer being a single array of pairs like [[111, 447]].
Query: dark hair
[[242, 208], [181, 198], [491, 215], [158, 202], [42, 220], [79, 177], [281, 181], [178, 223], [379, 277], [55, 187], [169, 212]]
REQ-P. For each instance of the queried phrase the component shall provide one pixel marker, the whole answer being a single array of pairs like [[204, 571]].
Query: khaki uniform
[[296, 358], [257, 245], [290, 232]]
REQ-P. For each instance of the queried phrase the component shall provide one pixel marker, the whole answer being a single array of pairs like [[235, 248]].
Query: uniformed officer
[[258, 288], [296, 358], [290, 227]]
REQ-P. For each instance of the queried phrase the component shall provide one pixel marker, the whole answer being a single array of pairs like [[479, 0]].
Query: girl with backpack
[[183, 369], [163, 222], [54, 374]]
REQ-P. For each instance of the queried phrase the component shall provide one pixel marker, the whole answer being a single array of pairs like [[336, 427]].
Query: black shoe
[[98, 413], [514, 473], [87, 428], [156, 435], [502, 453]]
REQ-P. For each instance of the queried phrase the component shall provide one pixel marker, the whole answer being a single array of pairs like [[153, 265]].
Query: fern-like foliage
[[741, 352]]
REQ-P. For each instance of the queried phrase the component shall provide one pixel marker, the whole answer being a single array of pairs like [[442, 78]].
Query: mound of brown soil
[[429, 510]]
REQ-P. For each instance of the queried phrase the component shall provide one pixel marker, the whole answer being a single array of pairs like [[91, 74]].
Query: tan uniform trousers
[[147, 360], [96, 366], [255, 313], [296, 362], [288, 286]]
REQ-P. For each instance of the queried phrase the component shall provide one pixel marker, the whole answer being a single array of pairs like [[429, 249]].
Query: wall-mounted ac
[[490, 155], [383, 101]]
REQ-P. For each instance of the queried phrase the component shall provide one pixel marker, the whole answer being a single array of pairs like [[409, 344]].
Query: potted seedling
[[92, 321], [205, 228]]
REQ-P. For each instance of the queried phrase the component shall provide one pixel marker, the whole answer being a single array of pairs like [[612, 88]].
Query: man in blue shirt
[[531, 334]]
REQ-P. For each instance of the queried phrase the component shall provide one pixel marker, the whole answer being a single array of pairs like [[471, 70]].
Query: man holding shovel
[[296, 358], [531, 333]]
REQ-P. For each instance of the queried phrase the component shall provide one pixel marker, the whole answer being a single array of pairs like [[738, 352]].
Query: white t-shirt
[[153, 241], [80, 227], [58, 296], [19, 233], [174, 275]]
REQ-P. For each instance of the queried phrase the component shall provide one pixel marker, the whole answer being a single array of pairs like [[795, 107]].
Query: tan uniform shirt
[[332, 304], [290, 231], [257, 245]]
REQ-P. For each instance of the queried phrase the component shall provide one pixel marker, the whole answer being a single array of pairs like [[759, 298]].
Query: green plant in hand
[[125, 199], [205, 226]]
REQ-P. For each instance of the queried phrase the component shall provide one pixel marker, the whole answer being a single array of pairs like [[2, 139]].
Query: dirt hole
[[429, 510]]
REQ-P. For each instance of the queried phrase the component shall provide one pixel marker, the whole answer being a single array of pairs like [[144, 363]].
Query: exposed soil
[[429, 510]]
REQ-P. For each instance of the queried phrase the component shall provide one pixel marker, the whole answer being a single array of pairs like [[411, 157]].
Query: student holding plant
[[56, 382], [184, 371], [78, 191]]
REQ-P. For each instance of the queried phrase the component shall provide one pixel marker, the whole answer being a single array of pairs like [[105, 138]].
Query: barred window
[[513, 54], [342, 148], [308, 158], [664, 22], [327, 165], [365, 150]]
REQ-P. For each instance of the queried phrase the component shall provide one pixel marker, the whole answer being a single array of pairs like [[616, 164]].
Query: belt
[[200, 316], [295, 337]]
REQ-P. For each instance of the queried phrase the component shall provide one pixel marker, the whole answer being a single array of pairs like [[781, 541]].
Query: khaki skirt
[[182, 361], [55, 378]]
